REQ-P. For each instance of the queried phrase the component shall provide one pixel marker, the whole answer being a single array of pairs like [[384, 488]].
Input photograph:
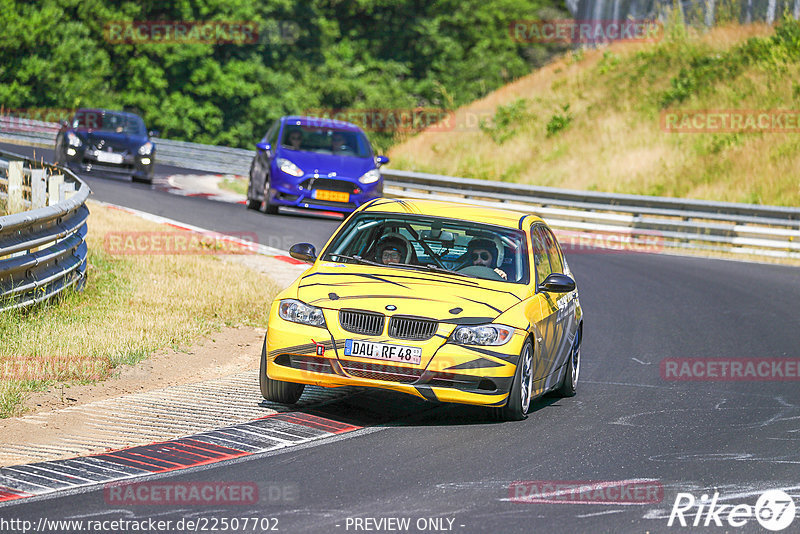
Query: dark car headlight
[[295, 311], [146, 149], [485, 334], [73, 140]]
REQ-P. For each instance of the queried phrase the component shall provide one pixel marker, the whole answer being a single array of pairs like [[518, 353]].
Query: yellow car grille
[[375, 371], [371, 324], [364, 323], [412, 328]]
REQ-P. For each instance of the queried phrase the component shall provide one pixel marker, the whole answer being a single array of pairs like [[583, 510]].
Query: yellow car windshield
[[417, 241]]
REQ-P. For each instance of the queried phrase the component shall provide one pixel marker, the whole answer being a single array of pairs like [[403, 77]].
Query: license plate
[[333, 196], [382, 351], [108, 157]]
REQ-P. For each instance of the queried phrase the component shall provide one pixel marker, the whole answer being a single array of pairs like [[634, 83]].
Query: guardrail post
[[15, 203], [54, 187], [65, 191], [38, 188]]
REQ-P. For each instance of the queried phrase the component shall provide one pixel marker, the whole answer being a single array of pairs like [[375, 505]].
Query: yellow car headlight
[[487, 334], [295, 311]]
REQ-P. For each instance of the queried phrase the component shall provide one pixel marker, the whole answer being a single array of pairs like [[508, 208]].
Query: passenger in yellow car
[[483, 253]]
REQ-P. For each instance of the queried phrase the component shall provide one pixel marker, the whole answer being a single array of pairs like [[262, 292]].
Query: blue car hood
[[325, 164]]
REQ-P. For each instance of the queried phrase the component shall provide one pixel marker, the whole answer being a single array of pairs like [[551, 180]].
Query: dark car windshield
[[108, 121], [326, 141], [432, 243]]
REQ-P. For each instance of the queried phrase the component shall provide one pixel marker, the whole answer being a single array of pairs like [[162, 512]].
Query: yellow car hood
[[442, 297]]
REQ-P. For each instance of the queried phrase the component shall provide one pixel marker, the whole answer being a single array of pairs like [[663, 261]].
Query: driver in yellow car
[[483, 253], [391, 250]]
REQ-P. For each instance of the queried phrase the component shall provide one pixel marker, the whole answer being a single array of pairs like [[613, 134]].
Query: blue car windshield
[[108, 121], [472, 249], [326, 141]]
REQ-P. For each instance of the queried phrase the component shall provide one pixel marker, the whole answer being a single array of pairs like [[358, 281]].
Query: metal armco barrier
[[42, 251], [747, 229]]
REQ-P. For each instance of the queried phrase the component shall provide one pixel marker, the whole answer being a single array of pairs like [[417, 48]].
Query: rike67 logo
[[774, 510]]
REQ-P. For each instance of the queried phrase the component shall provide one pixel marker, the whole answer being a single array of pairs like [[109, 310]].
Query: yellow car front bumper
[[480, 375]]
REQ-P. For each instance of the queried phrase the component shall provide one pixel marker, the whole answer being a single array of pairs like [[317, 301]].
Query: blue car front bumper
[[340, 195]]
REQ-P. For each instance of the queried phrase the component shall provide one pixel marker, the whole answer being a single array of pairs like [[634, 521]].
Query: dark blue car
[[307, 162], [110, 142]]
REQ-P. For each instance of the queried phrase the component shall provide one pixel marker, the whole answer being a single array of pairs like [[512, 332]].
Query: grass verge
[[132, 306], [592, 120], [234, 184]]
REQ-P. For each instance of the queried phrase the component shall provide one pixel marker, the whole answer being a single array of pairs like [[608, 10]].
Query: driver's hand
[[501, 272]]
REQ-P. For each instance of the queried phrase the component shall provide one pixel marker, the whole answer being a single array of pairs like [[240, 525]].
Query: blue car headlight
[[289, 168], [486, 334], [295, 311], [370, 177]]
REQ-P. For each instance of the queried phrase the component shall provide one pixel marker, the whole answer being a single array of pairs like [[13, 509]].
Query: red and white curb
[[199, 185], [269, 433]]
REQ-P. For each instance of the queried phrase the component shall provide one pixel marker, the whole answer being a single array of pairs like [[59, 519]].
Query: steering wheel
[[481, 271]]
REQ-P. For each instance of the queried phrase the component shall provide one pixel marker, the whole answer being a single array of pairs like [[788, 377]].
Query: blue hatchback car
[[308, 162]]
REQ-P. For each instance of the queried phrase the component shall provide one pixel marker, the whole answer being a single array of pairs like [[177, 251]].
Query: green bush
[[314, 55], [506, 119], [559, 121]]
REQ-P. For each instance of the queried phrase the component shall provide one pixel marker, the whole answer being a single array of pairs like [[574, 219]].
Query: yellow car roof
[[451, 210]]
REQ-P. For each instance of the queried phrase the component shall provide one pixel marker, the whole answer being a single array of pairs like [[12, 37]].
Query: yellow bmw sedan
[[445, 301]]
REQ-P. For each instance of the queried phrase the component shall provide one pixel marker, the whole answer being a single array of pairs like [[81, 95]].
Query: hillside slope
[[592, 120]]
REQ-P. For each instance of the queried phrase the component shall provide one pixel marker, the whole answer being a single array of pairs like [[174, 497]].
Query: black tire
[[519, 399], [276, 390], [252, 204], [58, 152], [569, 385], [269, 209]]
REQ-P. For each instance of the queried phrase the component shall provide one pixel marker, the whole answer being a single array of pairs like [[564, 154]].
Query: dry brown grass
[[132, 306], [615, 142]]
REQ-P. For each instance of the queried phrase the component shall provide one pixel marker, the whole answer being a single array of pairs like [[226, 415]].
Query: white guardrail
[[583, 218]]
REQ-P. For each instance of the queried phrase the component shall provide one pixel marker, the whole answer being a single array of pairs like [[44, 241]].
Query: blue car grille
[[328, 184]]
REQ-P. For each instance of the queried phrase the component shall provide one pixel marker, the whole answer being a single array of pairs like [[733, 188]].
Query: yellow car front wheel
[[277, 390], [520, 396]]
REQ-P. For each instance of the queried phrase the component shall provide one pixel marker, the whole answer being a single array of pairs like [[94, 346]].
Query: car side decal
[[479, 363]]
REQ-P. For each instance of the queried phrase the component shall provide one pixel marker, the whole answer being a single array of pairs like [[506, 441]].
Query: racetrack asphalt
[[418, 461]]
